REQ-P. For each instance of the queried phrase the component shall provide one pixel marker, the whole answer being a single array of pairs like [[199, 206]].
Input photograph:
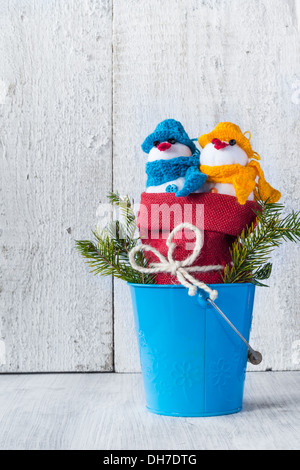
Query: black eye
[[156, 143], [232, 142], [172, 141]]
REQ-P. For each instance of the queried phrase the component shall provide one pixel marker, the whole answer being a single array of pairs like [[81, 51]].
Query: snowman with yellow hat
[[226, 159]]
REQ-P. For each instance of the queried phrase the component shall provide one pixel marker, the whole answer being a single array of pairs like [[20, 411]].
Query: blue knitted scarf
[[162, 171]]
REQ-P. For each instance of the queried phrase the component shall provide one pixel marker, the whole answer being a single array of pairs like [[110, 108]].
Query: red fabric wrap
[[221, 217]]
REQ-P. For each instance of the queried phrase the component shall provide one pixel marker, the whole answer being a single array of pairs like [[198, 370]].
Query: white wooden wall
[[55, 152], [82, 83]]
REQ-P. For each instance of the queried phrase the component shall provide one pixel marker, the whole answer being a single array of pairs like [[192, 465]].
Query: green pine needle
[[108, 253], [253, 249]]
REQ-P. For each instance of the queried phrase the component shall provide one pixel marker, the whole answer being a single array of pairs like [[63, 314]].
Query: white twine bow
[[181, 269]]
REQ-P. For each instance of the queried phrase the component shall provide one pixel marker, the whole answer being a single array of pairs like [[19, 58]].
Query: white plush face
[[227, 156], [175, 150]]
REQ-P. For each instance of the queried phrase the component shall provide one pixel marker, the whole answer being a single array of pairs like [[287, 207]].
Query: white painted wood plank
[[55, 168], [106, 411], [202, 63]]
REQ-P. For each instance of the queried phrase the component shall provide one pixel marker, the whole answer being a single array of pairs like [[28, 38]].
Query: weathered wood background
[[82, 83]]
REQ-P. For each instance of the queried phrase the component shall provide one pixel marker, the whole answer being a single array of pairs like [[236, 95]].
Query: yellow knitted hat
[[226, 131]]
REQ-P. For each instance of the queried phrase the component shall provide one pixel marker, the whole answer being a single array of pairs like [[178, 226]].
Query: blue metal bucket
[[193, 363]]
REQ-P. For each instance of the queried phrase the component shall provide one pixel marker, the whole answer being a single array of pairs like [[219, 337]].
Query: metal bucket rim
[[179, 286]]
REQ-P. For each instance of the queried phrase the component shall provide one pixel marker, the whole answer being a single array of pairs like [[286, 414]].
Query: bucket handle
[[255, 357]]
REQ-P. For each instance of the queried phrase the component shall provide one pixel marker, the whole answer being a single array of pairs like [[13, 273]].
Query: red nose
[[219, 144], [164, 146]]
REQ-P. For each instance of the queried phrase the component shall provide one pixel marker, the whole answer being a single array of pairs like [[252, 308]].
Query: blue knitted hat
[[168, 129]]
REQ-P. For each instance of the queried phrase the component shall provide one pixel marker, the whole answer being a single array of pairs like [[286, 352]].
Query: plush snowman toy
[[220, 153], [227, 160], [173, 161]]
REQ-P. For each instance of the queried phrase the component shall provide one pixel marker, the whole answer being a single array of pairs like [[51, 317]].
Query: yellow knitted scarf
[[243, 180]]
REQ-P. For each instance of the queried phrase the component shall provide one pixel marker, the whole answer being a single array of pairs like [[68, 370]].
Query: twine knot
[[174, 267], [180, 269]]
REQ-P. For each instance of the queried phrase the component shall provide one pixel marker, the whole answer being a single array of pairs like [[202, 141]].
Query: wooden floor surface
[[106, 411]]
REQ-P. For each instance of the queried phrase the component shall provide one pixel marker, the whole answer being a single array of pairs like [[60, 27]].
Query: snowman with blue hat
[[173, 161]]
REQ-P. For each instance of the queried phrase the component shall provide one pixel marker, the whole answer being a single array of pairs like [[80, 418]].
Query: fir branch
[[126, 206], [253, 249], [108, 253]]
